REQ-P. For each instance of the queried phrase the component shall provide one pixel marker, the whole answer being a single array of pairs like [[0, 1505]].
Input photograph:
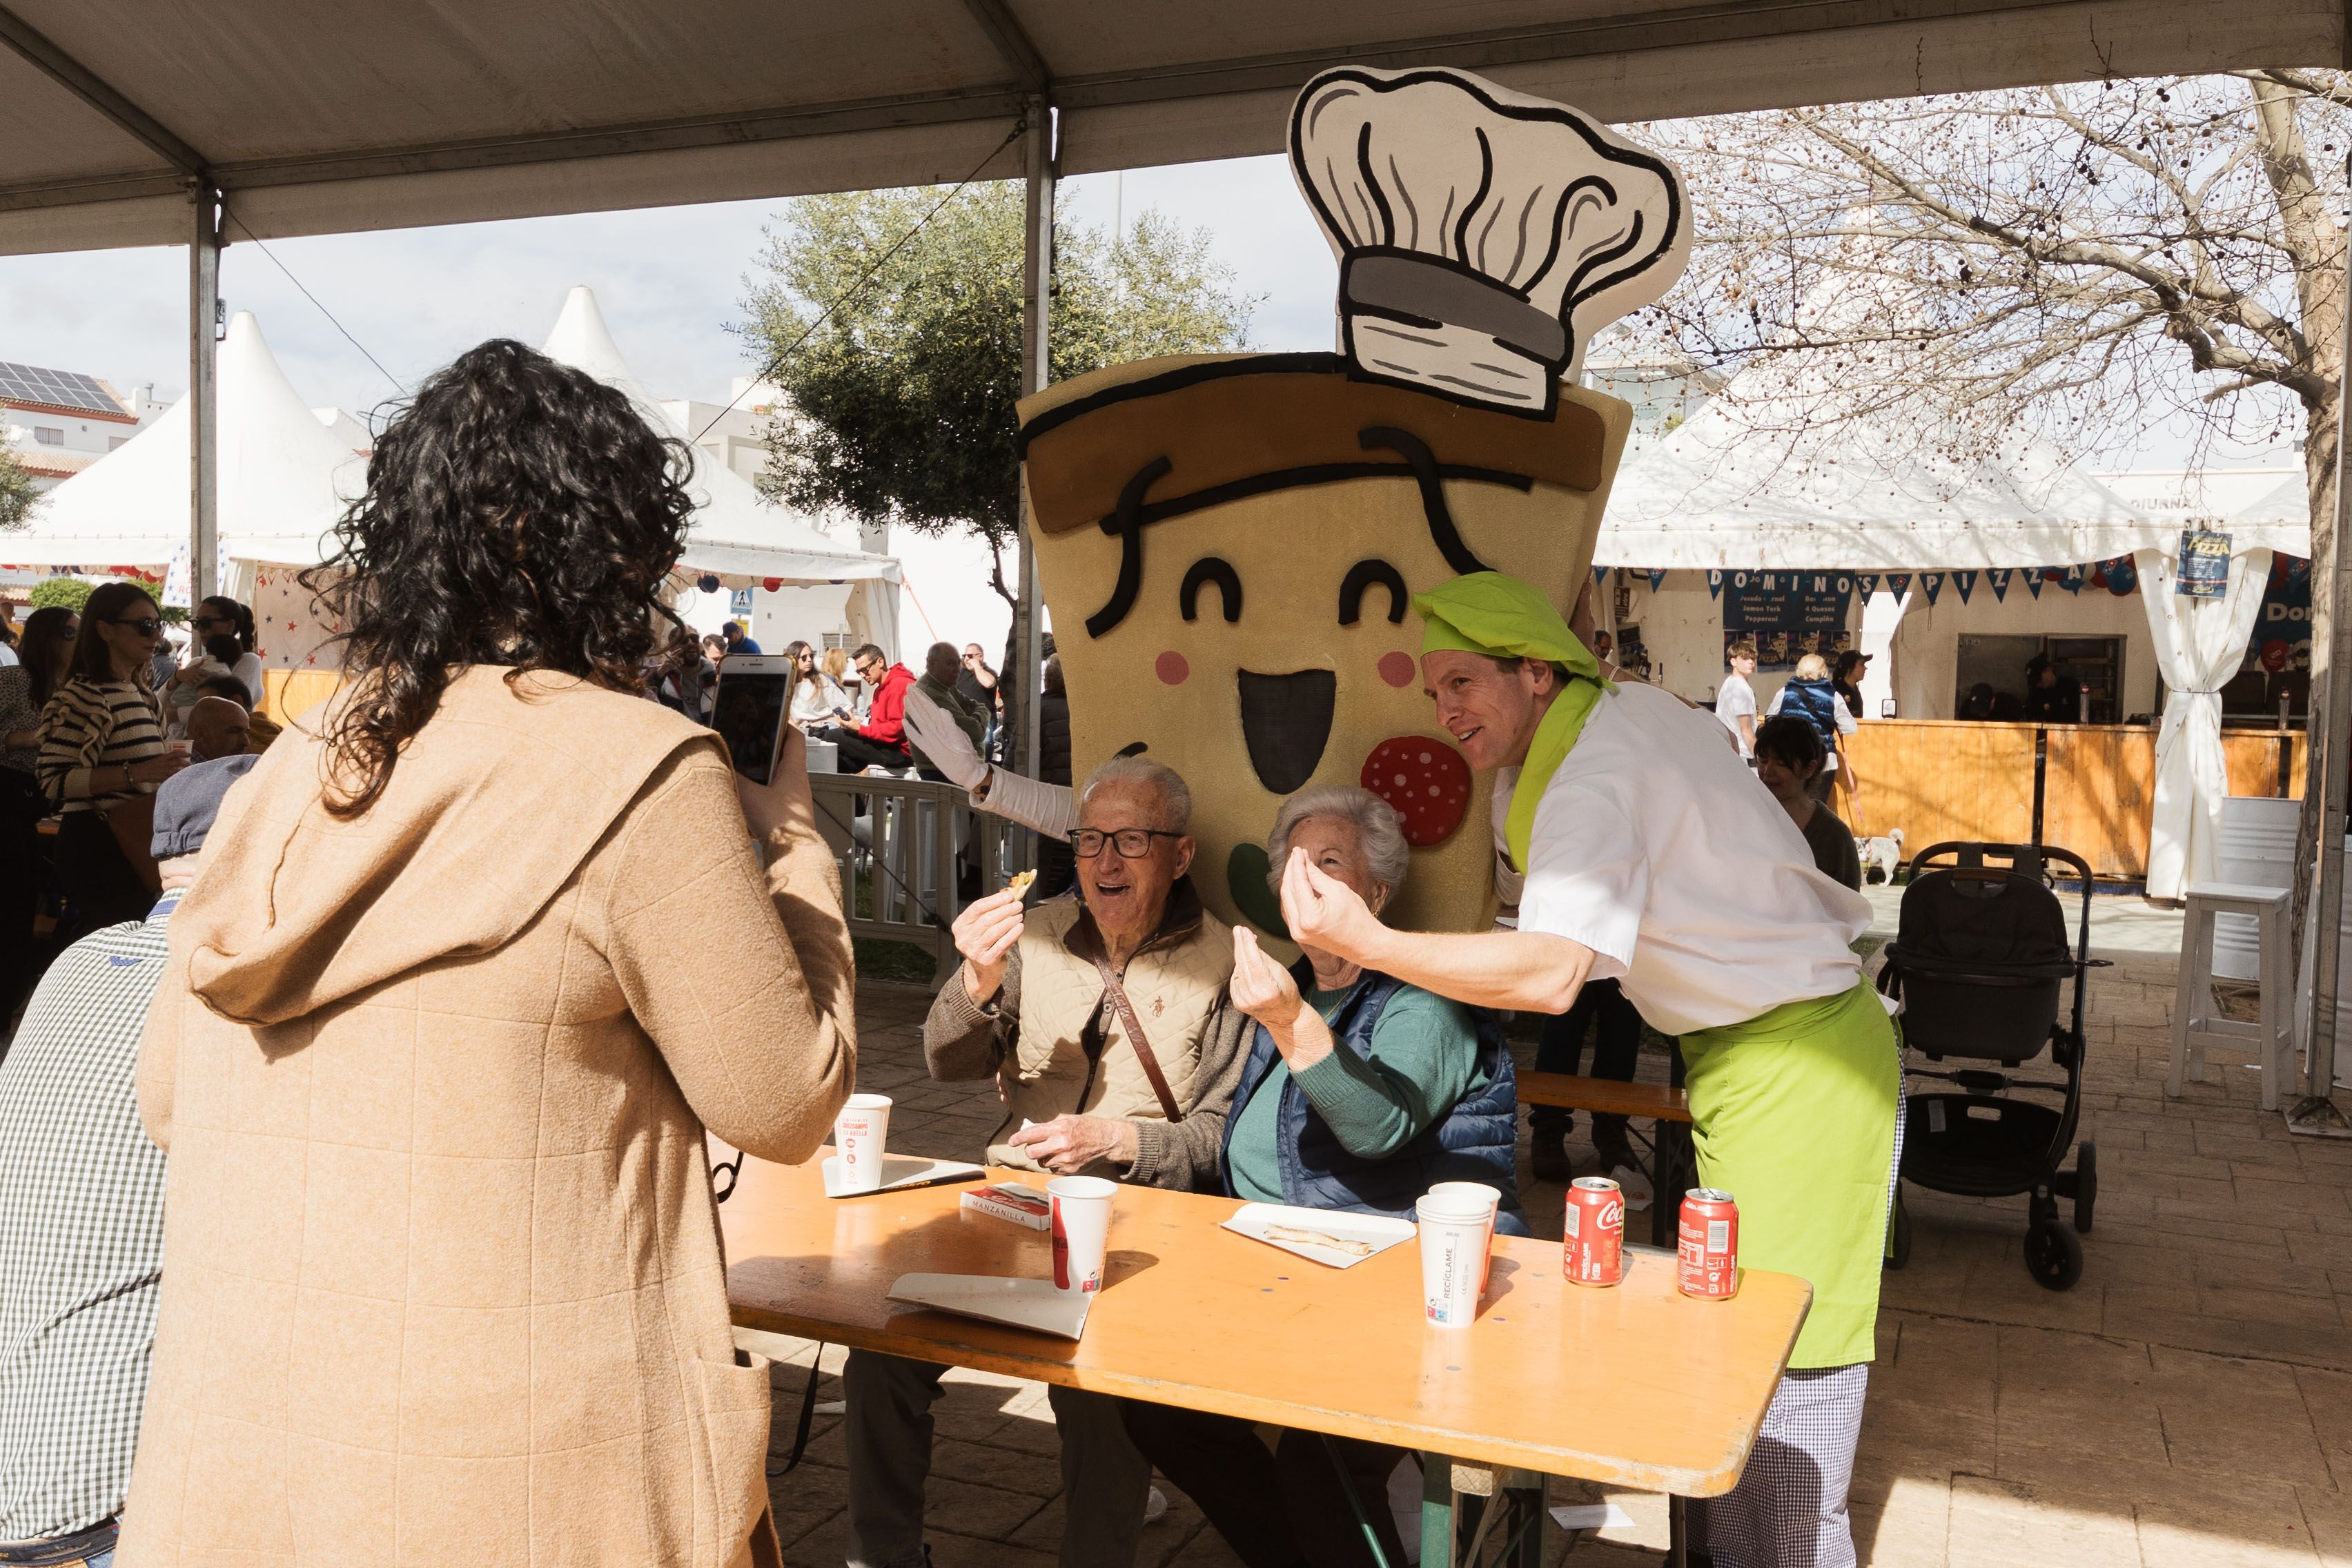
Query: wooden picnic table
[[1635, 1386]]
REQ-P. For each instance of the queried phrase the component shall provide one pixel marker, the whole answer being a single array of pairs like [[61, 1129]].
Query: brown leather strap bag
[[1135, 1036], [132, 822]]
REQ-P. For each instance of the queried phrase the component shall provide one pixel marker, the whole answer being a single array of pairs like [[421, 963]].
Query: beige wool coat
[[441, 1282]]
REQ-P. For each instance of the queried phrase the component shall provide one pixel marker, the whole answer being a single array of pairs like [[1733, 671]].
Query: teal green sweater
[[1424, 1057]]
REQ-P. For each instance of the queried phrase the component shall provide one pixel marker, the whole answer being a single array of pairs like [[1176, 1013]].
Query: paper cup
[[1081, 1223], [1478, 1192], [1453, 1258], [859, 1134]]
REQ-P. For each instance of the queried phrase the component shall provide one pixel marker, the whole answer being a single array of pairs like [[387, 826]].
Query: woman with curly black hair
[[441, 1264]]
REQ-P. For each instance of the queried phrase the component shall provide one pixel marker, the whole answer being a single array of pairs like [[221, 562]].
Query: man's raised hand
[[985, 934], [1327, 914]]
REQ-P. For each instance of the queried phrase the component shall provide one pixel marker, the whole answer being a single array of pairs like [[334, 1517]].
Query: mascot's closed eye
[[1210, 569], [1362, 575]]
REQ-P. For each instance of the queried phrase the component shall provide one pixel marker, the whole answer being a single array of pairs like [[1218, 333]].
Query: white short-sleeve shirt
[[1735, 699], [1658, 849]]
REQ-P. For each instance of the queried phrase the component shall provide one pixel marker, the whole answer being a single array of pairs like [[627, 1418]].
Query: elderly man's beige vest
[[1174, 981]]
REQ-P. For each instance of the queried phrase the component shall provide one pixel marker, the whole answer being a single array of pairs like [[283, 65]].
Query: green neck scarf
[[1504, 618]]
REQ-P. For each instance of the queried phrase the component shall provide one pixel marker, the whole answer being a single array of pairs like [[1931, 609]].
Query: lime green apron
[[1793, 1114]]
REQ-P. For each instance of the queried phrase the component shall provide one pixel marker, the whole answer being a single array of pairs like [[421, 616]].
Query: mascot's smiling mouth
[[1286, 721]]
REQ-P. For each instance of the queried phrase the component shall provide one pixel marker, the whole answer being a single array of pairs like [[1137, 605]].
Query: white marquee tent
[[739, 536], [284, 479], [1781, 473]]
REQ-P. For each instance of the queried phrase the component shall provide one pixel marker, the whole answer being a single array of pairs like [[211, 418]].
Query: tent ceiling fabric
[[328, 117]]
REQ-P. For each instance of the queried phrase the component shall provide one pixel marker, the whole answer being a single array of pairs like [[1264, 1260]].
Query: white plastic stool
[[2194, 1019]]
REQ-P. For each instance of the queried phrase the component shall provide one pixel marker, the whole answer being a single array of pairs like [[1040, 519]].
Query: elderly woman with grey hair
[[1360, 1092]]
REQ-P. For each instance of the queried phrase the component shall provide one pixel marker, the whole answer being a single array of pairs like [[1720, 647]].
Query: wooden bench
[[1604, 1096], [1670, 1151]]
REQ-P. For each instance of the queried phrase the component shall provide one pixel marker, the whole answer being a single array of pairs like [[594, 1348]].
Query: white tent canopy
[[320, 119], [1796, 465], [2274, 502], [738, 535], [1759, 485], [284, 480], [285, 477]]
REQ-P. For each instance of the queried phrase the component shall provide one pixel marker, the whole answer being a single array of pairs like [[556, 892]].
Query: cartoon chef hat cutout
[[1483, 236]]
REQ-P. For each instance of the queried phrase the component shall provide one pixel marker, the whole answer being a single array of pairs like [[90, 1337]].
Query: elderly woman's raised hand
[[1324, 912], [985, 934], [1261, 987]]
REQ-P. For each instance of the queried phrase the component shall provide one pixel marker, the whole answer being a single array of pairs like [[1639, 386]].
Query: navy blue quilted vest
[[1816, 702], [1476, 1141]]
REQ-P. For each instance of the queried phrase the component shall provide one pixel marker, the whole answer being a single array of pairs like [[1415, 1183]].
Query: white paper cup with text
[[1081, 1227], [1477, 1192], [859, 1134], [1453, 1258]]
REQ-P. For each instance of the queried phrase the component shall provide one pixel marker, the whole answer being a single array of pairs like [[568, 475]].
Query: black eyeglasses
[[1132, 843], [145, 626]]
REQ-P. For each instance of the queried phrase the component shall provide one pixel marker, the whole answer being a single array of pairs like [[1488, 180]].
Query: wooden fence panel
[[2254, 759], [1937, 779], [2099, 794]]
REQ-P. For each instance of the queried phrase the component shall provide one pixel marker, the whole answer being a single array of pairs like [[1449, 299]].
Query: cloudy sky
[[670, 281]]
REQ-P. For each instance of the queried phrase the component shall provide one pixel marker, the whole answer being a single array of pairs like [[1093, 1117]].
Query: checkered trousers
[[1789, 1508], [81, 1235]]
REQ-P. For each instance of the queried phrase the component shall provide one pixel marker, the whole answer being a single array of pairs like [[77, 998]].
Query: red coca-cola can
[[1706, 1251], [1594, 1234]]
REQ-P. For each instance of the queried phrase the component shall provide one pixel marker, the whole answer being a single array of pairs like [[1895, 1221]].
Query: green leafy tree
[[901, 401], [17, 492], [62, 592]]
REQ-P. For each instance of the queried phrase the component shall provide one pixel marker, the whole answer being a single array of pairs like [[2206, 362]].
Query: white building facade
[[58, 422]]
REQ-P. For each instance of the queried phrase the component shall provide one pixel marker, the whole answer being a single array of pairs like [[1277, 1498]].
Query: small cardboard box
[[1008, 1200]]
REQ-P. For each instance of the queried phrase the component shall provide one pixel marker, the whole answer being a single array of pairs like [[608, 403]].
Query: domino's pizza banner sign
[[2204, 569], [2282, 639], [1789, 613]]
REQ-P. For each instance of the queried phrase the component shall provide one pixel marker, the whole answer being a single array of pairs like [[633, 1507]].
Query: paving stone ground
[[2189, 1402]]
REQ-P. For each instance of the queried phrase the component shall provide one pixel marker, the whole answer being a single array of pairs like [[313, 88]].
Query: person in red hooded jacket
[[881, 741]]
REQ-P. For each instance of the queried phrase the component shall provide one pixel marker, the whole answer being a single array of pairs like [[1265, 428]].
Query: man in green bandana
[[1645, 849]]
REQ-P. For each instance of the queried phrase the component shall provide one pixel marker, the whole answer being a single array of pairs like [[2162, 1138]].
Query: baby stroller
[[1976, 963]]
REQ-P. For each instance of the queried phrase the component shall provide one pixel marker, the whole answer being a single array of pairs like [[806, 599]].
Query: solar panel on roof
[[57, 388]]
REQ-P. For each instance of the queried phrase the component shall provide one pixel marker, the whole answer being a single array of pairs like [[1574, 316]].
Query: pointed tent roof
[[738, 534], [1776, 473], [284, 480]]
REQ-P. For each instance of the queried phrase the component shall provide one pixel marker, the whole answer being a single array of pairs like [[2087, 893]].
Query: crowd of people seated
[[355, 1195]]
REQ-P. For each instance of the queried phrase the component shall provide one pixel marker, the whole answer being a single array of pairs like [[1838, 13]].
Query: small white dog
[[1884, 854]]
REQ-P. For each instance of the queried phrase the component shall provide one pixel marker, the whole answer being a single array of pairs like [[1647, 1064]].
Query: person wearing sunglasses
[[881, 741], [102, 754], [221, 616]]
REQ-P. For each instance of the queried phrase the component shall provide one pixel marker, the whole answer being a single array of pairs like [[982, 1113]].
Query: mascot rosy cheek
[[1228, 544]]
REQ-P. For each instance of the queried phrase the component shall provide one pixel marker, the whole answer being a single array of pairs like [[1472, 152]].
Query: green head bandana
[[1503, 617]]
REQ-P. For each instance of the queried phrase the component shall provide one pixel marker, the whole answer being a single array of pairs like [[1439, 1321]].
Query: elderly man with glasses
[[1105, 1022]]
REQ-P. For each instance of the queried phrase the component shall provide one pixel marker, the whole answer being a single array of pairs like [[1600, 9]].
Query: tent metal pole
[[1037, 299], [2315, 1114], [203, 389]]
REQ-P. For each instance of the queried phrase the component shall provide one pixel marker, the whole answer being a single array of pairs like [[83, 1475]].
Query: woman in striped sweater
[[102, 746]]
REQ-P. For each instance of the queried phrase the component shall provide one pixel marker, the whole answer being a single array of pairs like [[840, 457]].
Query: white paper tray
[[902, 1171], [1031, 1304], [1377, 1231]]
